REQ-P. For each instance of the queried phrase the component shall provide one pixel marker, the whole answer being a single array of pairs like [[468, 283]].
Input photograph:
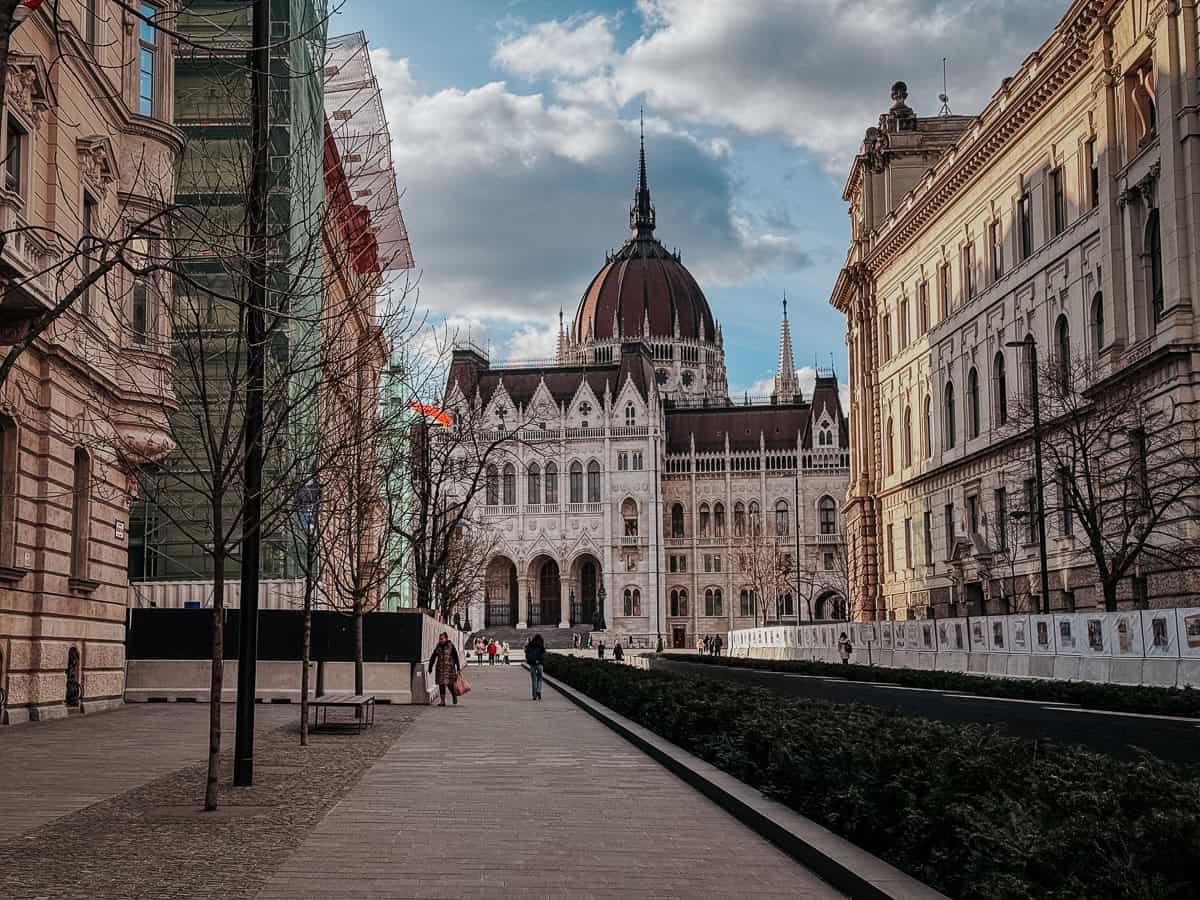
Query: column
[[522, 601], [564, 600]]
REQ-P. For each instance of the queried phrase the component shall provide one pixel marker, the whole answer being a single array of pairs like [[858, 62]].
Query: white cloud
[[807, 375], [533, 342], [576, 48]]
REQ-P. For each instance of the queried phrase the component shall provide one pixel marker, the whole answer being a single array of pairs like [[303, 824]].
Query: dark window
[[719, 520], [1062, 335], [891, 449], [14, 157], [827, 513], [996, 239], [1025, 222], [9, 469], [534, 487], [1000, 384], [1058, 201], [1139, 464], [1154, 252], [903, 323], [89, 22], [973, 515], [677, 521], [705, 517], [1066, 521], [948, 424], [973, 402], [781, 518], [923, 307], [551, 483], [593, 482], [1097, 324], [891, 548], [927, 436], [928, 537], [886, 334], [492, 486], [948, 522], [1000, 501], [908, 544], [906, 446], [576, 482], [510, 485], [89, 246], [1029, 487], [1093, 171], [943, 292], [968, 269], [81, 514]]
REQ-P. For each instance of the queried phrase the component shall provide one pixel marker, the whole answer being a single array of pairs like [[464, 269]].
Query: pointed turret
[[787, 386], [641, 213]]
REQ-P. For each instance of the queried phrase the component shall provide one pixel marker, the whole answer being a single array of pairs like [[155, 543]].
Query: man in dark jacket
[[618, 652], [535, 656]]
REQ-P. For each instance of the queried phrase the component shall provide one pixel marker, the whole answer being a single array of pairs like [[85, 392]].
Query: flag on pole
[[440, 416]]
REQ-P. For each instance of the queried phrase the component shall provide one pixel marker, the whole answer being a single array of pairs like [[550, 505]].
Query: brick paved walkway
[[506, 797]]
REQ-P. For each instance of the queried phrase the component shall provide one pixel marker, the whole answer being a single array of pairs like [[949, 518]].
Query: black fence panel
[[187, 634]]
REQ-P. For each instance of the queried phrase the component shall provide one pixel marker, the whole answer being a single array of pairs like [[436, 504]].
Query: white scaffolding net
[[354, 109]]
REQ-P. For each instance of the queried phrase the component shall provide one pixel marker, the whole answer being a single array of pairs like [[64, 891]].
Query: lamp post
[[1030, 346]]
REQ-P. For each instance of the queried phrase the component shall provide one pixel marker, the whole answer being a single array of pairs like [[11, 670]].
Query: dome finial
[[641, 214]]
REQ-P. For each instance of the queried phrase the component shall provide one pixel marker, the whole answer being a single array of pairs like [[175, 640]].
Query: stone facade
[[90, 153], [1064, 212], [631, 483]]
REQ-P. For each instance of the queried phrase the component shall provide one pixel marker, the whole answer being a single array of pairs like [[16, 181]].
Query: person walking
[[700, 645], [479, 651], [600, 650], [535, 656], [445, 661], [618, 652], [504, 651], [574, 640], [718, 644], [491, 651], [845, 648]]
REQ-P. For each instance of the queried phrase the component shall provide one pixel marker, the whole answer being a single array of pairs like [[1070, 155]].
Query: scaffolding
[[354, 109]]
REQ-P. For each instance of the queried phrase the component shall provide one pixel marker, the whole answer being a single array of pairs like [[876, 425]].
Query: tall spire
[[787, 386], [641, 213]]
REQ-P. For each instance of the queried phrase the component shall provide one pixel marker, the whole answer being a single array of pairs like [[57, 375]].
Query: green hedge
[[1113, 697], [975, 814]]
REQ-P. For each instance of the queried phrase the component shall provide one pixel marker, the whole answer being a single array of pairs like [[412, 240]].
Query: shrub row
[[962, 808], [1113, 697]]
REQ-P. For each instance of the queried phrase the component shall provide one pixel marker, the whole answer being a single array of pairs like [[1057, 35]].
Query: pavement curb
[[845, 866]]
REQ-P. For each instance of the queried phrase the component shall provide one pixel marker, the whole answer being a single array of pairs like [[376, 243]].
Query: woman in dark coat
[[445, 661], [535, 655]]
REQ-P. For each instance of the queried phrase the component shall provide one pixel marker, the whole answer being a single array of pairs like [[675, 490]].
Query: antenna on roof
[[944, 96]]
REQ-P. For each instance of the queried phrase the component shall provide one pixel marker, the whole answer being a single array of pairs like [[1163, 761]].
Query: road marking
[[1042, 703], [1109, 712]]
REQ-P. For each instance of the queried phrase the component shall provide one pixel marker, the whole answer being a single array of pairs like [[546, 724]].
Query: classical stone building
[[1064, 214], [634, 484], [89, 166]]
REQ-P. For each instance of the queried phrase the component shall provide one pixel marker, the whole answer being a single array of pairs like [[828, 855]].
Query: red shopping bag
[[461, 686]]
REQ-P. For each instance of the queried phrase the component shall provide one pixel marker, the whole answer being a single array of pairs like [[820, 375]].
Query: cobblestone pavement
[[154, 841], [502, 796]]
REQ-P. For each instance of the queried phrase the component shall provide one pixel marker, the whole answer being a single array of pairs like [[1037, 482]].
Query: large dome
[[643, 290]]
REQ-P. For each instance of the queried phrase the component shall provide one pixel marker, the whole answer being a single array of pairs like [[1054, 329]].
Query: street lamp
[[1030, 347]]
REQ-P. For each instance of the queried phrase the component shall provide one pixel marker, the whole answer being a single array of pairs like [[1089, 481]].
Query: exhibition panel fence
[[1153, 646]]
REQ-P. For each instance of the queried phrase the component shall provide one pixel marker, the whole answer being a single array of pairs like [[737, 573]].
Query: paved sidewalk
[[502, 796]]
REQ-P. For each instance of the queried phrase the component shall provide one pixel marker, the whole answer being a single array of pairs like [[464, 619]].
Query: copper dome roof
[[643, 290]]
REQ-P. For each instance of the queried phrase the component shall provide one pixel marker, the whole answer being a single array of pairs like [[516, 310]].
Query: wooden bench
[[363, 704]]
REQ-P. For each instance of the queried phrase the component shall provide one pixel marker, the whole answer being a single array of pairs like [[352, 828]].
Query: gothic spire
[[787, 386], [641, 213]]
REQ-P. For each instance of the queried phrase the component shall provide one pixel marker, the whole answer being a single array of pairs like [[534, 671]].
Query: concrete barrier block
[[1125, 671], [1066, 668], [1041, 666], [884, 657], [1160, 672], [904, 659], [951, 661], [1018, 665], [997, 663], [1189, 673], [977, 663], [926, 661], [1094, 668]]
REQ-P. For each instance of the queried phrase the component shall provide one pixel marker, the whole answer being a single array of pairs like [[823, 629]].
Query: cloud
[[763, 387], [579, 47]]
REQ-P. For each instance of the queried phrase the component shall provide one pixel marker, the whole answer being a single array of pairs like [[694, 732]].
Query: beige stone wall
[[86, 383], [1073, 101]]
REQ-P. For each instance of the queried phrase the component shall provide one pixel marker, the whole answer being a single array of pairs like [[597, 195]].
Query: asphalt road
[[1118, 734]]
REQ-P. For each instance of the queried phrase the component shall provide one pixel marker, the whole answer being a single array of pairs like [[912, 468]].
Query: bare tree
[[1006, 533], [1123, 469], [832, 576], [764, 559]]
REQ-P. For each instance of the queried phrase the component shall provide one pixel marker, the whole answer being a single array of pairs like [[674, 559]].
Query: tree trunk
[[358, 646], [306, 650], [1110, 596], [216, 684]]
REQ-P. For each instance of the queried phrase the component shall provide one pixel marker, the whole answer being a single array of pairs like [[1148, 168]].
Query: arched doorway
[[547, 606], [831, 606], [585, 587], [501, 593]]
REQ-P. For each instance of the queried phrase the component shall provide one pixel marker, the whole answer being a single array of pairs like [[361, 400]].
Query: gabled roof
[[777, 425]]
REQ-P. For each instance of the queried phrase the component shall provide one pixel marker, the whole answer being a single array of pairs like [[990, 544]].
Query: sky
[[515, 131]]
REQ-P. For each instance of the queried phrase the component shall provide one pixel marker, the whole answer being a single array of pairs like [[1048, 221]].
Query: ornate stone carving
[[28, 91], [97, 163]]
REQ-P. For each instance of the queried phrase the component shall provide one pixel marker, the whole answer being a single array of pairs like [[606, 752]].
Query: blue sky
[[515, 135]]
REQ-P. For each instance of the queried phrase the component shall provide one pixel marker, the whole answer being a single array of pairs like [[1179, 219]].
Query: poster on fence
[[900, 636], [1066, 628], [1096, 645], [912, 636], [927, 636], [1020, 634], [1125, 636], [1189, 631], [979, 640], [1159, 633], [885, 635], [1041, 634]]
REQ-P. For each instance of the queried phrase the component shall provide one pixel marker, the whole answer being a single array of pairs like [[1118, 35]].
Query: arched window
[[713, 602], [927, 433], [827, 515], [679, 602], [704, 520], [739, 519], [630, 415], [1000, 389], [510, 484], [891, 448], [1062, 351], [973, 402], [576, 482], [906, 439], [747, 605], [755, 518], [786, 605], [1154, 252], [1097, 324], [948, 429], [534, 488], [551, 483], [781, 518], [81, 514], [718, 519], [492, 486], [628, 601], [629, 514], [593, 482], [677, 521], [637, 602]]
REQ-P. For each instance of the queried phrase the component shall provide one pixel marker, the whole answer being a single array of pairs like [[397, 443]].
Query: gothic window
[[787, 605], [713, 602], [679, 602], [1000, 387], [593, 482], [622, 461], [890, 448], [630, 415], [492, 486], [1097, 324], [633, 602], [948, 425], [677, 520], [739, 519], [719, 520], [637, 460], [827, 515], [661, 376], [585, 408], [755, 518], [551, 483], [973, 423], [510, 485], [576, 477], [535, 485], [704, 520], [747, 602], [688, 378], [629, 514], [781, 518], [1062, 346], [906, 445]]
